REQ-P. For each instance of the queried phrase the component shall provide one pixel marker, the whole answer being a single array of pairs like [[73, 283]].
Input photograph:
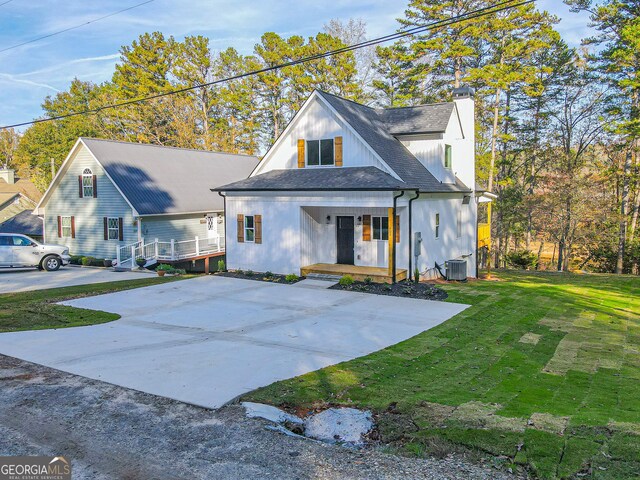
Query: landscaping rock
[[344, 425], [268, 412]]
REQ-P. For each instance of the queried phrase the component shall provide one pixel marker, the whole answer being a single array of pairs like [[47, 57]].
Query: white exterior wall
[[289, 231], [448, 246], [319, 122]]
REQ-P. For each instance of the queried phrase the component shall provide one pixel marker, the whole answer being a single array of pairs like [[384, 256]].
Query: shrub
[[368, 280], [240, 272], [386, 287], [87, 261], [97, 262], [522, 259], [76, 260], [416, 275], [268, 274], [163, 267], [292, 277], [221, 266], [346, 280], [249, 273], [178, 271]]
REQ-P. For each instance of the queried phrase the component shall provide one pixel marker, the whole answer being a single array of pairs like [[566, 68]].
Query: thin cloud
[[12, 79]]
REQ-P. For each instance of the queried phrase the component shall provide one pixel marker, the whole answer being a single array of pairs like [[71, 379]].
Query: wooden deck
[[377, 274]]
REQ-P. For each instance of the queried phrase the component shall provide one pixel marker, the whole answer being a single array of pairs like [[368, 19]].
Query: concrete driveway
[[208, 340], [22, 280]]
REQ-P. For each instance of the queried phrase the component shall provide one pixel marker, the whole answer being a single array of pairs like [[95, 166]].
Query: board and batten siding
[[291, 237], [295, 232], [448, 245], [317, 123], [88, 213]]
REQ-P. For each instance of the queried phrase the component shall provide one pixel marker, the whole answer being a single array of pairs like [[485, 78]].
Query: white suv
[[20, 251]]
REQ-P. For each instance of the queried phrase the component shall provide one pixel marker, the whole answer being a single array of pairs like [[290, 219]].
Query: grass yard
[[37, 310], [542, 373]]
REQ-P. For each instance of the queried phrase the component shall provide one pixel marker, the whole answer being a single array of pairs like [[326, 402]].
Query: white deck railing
[[156, 250]]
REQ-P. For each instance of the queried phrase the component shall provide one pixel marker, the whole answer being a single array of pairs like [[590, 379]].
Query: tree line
[[557, 127]]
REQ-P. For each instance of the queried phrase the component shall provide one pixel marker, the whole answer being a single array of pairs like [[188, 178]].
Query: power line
[[4, 3], [74, 27], [481, 12]]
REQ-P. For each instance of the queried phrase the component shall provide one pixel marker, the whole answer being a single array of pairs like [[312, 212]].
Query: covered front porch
[[358, 272], [355, 241]]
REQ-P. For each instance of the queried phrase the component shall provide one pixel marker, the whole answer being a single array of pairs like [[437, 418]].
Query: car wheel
[[51, 264]]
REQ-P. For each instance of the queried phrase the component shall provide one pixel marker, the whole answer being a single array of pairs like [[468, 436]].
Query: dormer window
[[447, 156], [320, 153], [88, 187]]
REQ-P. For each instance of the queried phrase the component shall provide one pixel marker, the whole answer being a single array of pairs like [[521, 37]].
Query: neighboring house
[[24, 223], [124, 200], [348, 185], [16, 195]]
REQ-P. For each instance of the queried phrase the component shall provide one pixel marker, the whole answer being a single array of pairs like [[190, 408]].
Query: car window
[[21, 242], [6, 240]]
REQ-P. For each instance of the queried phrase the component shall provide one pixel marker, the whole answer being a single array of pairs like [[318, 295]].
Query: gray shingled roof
[[164, 180], [327, 178], [432, 118], [371, 126], [24, 223]]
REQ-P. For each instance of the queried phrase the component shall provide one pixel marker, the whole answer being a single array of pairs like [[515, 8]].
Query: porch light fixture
[[360, 220], [466, 199], [328, 219]]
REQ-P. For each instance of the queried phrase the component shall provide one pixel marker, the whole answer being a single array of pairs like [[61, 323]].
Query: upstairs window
[[447, 156], [380, 228], [437, 229], [87, 183], [320, 153]]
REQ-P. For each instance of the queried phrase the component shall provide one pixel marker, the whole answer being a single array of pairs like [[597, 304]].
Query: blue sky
[[30, 72]]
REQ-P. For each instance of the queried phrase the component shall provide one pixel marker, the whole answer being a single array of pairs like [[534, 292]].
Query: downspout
[[224, 212], [393, 242], [411, 234], [476, 236]]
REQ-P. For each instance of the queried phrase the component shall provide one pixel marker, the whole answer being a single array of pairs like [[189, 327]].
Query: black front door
[[345, 240]]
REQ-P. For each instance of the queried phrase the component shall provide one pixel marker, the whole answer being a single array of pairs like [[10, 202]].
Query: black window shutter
[[106, 228], [120, 232], [80, 186], [95, 187]]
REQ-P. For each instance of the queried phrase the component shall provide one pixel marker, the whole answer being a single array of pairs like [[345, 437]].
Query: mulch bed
[[424, 291], [259, 276]]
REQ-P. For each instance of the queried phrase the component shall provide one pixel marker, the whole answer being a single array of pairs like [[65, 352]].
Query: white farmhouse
[[351, 189]]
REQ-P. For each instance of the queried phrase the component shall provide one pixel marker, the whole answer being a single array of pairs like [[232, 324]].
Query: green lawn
[[37, 310], [542, 372]]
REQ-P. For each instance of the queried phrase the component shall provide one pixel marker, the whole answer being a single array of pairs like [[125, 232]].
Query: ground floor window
[[65, 223], [437, 229], [380, 228], [249, 228], [113, 227]]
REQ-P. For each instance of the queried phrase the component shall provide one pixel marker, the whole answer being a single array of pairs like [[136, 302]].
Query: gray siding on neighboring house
[[88, 212], [176, 227]]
